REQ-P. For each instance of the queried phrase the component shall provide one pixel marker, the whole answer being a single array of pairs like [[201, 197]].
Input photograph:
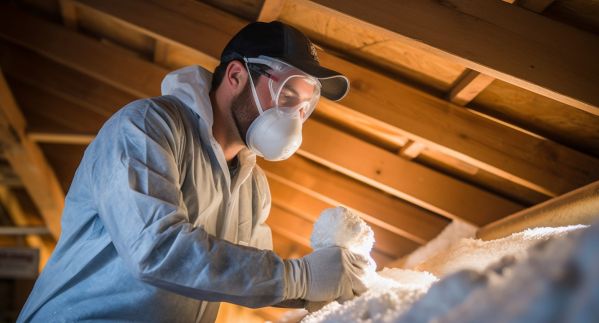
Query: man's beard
[[244, 111]]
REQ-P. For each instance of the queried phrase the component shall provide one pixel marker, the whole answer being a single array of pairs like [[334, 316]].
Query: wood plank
[[112, 74], [287, 248], [310, 208], [22, 217], [545, 117], [433, 205], [161, 50], [535, 5], [394, 175], [386, 53], [60, 138], [68, 13], [472, 82], [48, 113], [309, 200], [468, 87], [299, 230], [81, 53], [28, 162], [411, 149], [94, 99], [497, 30], [374, 206], [156, 12], [271, 9], [528, 161], [309, 205]]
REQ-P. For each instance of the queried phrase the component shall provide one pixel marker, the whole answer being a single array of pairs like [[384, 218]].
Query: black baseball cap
[[281, 41]]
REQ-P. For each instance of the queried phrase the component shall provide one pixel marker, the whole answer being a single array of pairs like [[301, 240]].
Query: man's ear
[[235, 76]]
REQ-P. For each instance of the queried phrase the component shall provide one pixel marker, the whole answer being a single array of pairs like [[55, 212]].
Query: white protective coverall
[[154, 229]]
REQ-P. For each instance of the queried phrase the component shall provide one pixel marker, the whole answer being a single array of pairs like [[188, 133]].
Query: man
[[165, 215]]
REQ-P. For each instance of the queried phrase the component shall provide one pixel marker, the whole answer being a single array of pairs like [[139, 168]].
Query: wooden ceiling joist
[[28, 161], [472, 82], [530, 161], [270, 10], [95, 100], [399, 177], [443, 128], [535, 5], [112, 65], [94, 63], [376, 207], [22, 218], [481, 34], [299, 230], [464, 125], [535, 163], [309, 208], [469, 86]]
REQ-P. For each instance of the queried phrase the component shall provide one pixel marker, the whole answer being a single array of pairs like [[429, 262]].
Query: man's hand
[[327, 274]]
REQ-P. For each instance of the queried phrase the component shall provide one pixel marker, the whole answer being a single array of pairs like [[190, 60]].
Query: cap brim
[[335, 85]]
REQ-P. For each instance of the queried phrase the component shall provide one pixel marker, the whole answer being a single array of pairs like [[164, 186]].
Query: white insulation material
[[519, 278], [452, 233], [477, 254], [340, 227]]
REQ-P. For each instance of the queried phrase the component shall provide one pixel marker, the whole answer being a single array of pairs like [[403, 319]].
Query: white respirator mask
[[277, 132]]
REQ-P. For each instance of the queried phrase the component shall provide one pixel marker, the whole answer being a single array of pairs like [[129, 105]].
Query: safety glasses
[[292, 92]]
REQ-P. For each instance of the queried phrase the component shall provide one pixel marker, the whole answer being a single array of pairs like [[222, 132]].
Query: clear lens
[[292, 92], [296, 96]]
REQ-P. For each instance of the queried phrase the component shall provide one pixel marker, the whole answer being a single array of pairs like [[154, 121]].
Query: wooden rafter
[[469, 86], [270, 10], [466, 125], [527, 160], [472, 82], [28, 161], [496, 30], [299, 230], [22, 218], [96, 58], [517, 157], [394, 175], [308, 207], [535, 5], [68, 13]]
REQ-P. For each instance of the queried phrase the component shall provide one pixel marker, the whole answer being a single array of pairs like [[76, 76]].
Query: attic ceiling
[[459, 110]]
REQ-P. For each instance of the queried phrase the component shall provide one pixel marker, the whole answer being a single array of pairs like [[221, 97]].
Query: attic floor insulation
[[538, 275]]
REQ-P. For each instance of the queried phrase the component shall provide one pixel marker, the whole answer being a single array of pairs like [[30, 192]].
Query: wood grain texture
[[537, 46]]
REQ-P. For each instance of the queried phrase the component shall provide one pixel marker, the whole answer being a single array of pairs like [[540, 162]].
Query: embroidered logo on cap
[[313, 53]]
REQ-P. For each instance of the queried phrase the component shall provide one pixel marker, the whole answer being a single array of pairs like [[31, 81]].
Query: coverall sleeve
[[138, 197]]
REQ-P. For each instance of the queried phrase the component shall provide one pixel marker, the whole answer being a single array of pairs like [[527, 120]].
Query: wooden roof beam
[[28, 161], [471, 83], [481, 34], [407, 180], [309, 208], [533, 162], [92, 59], [468, 86], [378, 208], [22, 218], [299, 230], [270, 10], [114, 71]]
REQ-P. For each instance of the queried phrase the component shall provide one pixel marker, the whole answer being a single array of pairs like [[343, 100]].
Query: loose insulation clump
[[471, 270], [343, 228]]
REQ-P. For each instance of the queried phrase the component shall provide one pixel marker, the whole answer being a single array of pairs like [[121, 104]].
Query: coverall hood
[[191, 85]]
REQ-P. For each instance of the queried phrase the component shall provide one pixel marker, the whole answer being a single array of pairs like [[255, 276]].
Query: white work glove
[[326, 274]]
